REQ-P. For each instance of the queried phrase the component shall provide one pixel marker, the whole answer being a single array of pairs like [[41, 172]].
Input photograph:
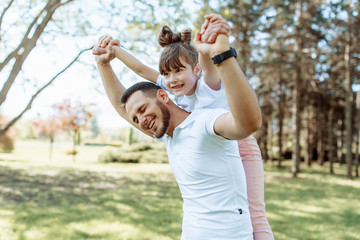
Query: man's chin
[[160, 133]]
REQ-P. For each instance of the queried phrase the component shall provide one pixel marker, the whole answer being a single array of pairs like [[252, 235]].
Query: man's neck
[[177, 116]]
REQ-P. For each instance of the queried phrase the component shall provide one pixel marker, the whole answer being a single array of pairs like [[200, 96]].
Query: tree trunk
[[51, 147], [320, 143], [269, 139], [265, 142], [331, 138], [281, 119], [307, 133], [348, 108], [340, 141], [296, 121], [357, 154], [74, 145], [357, 127]]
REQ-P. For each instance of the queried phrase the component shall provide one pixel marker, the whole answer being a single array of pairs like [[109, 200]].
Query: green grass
[[62, 200]]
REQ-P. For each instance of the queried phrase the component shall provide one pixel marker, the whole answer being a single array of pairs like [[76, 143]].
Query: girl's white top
[[204, 96]]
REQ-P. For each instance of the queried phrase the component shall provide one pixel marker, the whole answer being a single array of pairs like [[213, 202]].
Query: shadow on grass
[[70, 204], [314, 206]]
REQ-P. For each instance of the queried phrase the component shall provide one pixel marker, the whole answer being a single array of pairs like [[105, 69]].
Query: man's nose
[[143, 121]]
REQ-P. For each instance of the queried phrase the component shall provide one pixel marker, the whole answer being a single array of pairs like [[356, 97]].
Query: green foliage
[[135, 153]]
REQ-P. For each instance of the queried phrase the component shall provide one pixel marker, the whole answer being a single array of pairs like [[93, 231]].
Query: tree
[[49, 128], [74, 117], [16, 55], [26, 25]]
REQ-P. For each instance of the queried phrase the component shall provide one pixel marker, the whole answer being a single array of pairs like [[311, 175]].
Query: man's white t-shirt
[[211, 179]]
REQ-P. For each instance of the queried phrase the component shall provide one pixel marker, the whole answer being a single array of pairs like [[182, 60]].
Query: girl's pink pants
[[251, 158]]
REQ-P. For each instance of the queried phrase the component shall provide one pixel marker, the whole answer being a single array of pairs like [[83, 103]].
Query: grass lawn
[[62, 200]]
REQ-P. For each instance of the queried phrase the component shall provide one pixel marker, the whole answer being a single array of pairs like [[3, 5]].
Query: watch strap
[[223, 56]]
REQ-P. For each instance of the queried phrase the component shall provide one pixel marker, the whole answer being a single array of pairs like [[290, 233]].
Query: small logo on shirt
[[240, 211]]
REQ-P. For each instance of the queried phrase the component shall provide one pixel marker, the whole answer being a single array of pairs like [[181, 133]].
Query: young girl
[[200, 87]]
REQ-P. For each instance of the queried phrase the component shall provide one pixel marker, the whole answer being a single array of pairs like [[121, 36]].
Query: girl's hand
[[103, 50], [214, 24]]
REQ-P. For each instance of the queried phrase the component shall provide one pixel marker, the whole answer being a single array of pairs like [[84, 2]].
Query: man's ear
[[162, 96], [197, 69]]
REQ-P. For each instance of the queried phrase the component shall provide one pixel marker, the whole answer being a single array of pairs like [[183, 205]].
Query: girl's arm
[[129, 60], [214, 24], [210, 73], [135, 65]]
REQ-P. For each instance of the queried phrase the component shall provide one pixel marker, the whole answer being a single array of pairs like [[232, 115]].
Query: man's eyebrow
[[140, 107]]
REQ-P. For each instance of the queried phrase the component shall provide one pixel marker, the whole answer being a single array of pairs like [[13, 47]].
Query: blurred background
[[301, 57]]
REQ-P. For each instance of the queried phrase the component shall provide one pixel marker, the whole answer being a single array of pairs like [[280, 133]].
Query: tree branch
[[28, 107], [3, 13], [28, 43]]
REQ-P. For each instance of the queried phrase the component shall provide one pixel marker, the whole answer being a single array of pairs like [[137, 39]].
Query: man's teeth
[[152, 124]]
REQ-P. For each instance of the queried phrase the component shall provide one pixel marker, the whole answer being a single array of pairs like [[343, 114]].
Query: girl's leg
[[253, 166]]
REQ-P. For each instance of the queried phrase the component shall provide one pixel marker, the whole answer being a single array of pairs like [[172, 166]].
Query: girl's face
[[182, 80]]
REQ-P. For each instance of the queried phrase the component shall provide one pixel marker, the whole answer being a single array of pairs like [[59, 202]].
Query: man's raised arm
[[113, 87], [244, 117]]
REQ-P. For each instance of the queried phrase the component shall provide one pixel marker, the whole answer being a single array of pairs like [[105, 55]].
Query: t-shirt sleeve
[[160, 81], [210, 118]]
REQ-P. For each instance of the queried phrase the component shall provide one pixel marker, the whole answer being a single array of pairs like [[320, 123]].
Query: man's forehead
[[136, 99]]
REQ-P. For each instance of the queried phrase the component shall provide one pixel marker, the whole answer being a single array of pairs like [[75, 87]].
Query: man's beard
[[165, 118]]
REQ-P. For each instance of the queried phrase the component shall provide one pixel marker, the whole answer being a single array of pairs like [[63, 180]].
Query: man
[[202, 155]]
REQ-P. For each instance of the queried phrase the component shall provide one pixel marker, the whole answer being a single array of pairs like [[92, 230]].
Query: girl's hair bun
[[167, 36]]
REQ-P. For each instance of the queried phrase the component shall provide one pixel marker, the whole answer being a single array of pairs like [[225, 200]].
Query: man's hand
[[103, 50], [214, 24], [220, 45]]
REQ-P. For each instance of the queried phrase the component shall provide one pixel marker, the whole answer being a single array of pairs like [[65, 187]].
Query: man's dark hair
[[148, 88]]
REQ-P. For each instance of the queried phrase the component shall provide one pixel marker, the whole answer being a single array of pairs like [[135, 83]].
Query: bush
[[137, 147], [72, 152], [108, 156], [136, 153], [6, 143], [103, 143], [7, 139]]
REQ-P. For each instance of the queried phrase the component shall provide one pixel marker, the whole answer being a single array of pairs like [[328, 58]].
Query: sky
[[78, 83]]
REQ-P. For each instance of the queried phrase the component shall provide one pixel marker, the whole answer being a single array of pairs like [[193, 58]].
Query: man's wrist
[[103, 64], [219, 58], [219, 51]]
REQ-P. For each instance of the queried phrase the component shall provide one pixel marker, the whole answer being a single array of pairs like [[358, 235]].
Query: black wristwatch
[[223, 56]]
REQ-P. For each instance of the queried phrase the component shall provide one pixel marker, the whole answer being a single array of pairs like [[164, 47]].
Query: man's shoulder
[[209, 111], [207, 115]]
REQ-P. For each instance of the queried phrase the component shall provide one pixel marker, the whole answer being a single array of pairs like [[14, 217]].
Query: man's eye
[[178, 70]]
